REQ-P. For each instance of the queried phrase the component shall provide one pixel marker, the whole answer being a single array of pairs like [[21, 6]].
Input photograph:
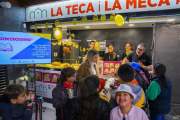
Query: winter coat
[[134, 114], [110, 57], [9, 111], [103, 110], [162, 103], [84, 71], [60, 99]]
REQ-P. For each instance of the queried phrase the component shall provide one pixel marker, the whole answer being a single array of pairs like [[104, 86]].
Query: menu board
[[46, 81], [110, 67], [24, 48]]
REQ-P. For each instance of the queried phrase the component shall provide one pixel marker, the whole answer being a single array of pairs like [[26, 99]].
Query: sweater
[[134, 114]]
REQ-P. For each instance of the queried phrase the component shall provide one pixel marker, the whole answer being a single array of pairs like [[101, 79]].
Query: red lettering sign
[[68, 9], [106, 6], [140, 4], [116, 5], [90, 8], [74, 9], [59, 11], [177, 1], [52, 14], [131, 2], [164, 2], [150, 4], [80, 8]]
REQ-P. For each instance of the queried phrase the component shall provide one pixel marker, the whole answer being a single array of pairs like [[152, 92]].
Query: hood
[[3, 99]]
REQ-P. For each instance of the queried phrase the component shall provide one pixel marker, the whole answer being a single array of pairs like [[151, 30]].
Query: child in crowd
[[111, 84], [13, 104], [141, 80], [126, 74], [159, 93], [66, 89], [124, 110]]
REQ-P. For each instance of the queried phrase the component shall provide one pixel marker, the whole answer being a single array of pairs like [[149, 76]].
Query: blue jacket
[[10, 111], [162, 104]]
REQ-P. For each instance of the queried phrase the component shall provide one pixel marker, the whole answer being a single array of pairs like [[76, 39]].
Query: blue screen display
[[24, 48]]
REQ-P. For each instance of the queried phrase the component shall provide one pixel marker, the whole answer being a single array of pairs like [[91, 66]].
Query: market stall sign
[[75, 8]]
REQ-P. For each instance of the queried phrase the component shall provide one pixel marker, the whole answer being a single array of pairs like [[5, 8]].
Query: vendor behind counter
[[111, 56]]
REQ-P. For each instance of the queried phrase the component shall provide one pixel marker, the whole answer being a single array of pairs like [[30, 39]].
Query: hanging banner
[[74, 8]]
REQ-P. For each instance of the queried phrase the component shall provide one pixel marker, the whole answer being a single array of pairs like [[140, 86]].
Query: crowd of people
[[76, 96]]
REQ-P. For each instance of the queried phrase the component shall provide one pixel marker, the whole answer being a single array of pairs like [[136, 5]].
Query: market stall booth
[[72, 25]]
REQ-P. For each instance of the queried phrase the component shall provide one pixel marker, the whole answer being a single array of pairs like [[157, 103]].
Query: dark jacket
[[61, 99], [10, 111], [110, 57], [103, 110], [141, 81], [162, 104]]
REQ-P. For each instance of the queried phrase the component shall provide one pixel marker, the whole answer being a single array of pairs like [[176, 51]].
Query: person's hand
[[118, 81], [29, 104], [141, 64]]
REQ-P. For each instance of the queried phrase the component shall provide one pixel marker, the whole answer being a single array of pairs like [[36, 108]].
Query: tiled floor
[[49, 113]]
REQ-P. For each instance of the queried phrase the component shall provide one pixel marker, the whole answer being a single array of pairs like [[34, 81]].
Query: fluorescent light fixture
[[5, 4], [87, 26], [131, 25], [170, 20]]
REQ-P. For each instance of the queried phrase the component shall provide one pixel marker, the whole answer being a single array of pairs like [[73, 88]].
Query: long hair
[[90, 55], [160, 70], [89, 98]]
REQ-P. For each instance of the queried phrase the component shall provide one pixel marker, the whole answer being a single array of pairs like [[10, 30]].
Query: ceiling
[[26, 3]]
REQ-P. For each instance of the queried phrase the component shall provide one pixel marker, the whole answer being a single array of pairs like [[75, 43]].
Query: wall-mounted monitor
[[24, 48]]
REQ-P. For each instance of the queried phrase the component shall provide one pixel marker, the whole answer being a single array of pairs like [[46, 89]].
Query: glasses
[[140, 49]]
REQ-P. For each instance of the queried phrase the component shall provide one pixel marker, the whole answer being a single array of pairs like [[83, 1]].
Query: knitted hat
[[126, 73]]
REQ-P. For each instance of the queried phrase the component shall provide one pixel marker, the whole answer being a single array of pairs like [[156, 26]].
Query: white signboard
[[74, 8]]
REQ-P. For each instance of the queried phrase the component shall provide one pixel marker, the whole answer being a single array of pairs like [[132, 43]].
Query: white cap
[[126, 88]]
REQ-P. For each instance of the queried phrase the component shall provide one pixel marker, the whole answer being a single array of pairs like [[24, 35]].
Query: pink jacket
[[134, 114]]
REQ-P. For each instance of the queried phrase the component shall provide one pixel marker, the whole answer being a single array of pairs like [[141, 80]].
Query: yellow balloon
[[119, 20]]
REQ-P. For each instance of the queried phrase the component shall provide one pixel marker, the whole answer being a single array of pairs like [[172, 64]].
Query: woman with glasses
[[66, 89]]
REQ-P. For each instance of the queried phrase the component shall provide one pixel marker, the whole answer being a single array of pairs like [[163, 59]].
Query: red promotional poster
[[110, 67]]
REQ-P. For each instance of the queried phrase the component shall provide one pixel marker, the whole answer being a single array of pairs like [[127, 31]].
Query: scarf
[[69, 86], [128, 52], [114, 54]]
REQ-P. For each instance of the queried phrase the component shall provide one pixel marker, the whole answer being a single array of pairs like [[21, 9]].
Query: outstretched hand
[[141, 64]]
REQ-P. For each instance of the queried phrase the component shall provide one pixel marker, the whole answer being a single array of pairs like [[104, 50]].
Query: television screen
[[24, 48]]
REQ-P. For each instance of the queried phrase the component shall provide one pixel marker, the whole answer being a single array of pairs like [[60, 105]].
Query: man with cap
[[125, 110], [126, 74], [140, 57]]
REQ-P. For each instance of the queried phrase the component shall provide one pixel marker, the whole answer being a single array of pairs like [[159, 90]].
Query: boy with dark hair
[[13, 104], [126, 74]]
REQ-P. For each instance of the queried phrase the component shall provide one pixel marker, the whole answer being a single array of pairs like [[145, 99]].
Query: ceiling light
[[87, 26], [5, 4], [169, 20], [131, 25]]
